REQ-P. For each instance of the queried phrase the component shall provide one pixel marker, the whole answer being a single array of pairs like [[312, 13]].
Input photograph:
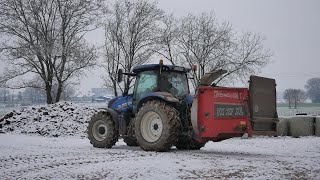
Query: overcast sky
[[291, 28]]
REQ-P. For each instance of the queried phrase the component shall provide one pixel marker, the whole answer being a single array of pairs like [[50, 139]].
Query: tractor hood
[[121, 103]]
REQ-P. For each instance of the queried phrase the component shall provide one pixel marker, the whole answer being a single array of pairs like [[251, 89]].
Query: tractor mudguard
[[114, 115], [159, 95]]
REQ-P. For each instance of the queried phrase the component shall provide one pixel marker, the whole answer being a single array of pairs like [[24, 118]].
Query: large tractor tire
[[187, 142], [130, 141], [156, 126], [101, 131]]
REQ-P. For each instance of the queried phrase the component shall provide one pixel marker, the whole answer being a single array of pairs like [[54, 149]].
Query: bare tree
[[113, 54], [247, 56], [45, 40], [168, 40], [294, 96], [313, 89], [288, 96], [203, 41], [67, 93], [133, 26]]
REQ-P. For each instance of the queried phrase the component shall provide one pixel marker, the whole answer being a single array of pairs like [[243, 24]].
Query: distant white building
[[98, 92], [95, 95]]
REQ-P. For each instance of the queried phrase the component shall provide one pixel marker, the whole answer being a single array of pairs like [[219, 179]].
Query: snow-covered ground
[[48, 142], [37, 157], [60, 119]]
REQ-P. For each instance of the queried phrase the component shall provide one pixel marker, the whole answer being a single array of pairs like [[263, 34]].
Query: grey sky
[[291, 29]]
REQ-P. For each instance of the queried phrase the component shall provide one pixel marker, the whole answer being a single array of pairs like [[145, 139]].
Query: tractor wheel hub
[[99, 130], [151, 126]]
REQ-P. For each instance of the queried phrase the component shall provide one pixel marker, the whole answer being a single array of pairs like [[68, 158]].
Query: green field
[[309, 108], [303, 105]]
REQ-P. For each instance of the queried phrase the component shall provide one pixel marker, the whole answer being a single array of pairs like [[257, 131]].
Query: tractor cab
[[161, 78], [166, 82]]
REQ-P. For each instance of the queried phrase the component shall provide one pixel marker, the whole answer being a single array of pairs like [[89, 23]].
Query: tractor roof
[[147, 67]]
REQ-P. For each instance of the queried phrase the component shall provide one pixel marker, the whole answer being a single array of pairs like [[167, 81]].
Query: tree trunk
[[59, 92], [289, 104], [126, 86], [48, 93], [115, 88]]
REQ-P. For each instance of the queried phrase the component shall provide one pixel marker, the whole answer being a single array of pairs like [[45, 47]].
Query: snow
[[49, 142], [36, 157], [60, 119]]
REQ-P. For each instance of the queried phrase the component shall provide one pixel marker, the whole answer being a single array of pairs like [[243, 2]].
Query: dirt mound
[[60, 119]]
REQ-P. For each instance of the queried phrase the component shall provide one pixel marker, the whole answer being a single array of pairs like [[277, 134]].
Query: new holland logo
[[124, 105]]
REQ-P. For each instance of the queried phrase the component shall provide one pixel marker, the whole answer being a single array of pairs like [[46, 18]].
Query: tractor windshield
[[175, 83], [146, 83]]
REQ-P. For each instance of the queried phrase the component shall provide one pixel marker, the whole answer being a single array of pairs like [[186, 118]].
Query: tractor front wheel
[[156, 126], [101, 131]]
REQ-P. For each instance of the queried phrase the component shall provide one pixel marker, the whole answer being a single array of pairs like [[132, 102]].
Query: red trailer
[[220, 113]]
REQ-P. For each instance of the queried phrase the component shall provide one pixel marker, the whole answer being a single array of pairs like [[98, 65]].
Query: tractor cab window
[[175, 83], [146, 83]]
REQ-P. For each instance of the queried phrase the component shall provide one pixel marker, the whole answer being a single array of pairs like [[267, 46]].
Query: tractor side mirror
[[120, 75]]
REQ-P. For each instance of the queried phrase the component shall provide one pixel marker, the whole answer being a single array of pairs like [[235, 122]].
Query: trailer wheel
[[101, 131], [186, 142], [130, 141], [156, 126]]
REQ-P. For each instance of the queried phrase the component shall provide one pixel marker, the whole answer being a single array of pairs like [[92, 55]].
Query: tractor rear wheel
[[101, 131], [187, 142], [130, 141], [156, 126]]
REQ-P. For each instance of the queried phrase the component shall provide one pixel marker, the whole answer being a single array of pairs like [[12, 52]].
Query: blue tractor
[[155, 116], [161, 113]]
